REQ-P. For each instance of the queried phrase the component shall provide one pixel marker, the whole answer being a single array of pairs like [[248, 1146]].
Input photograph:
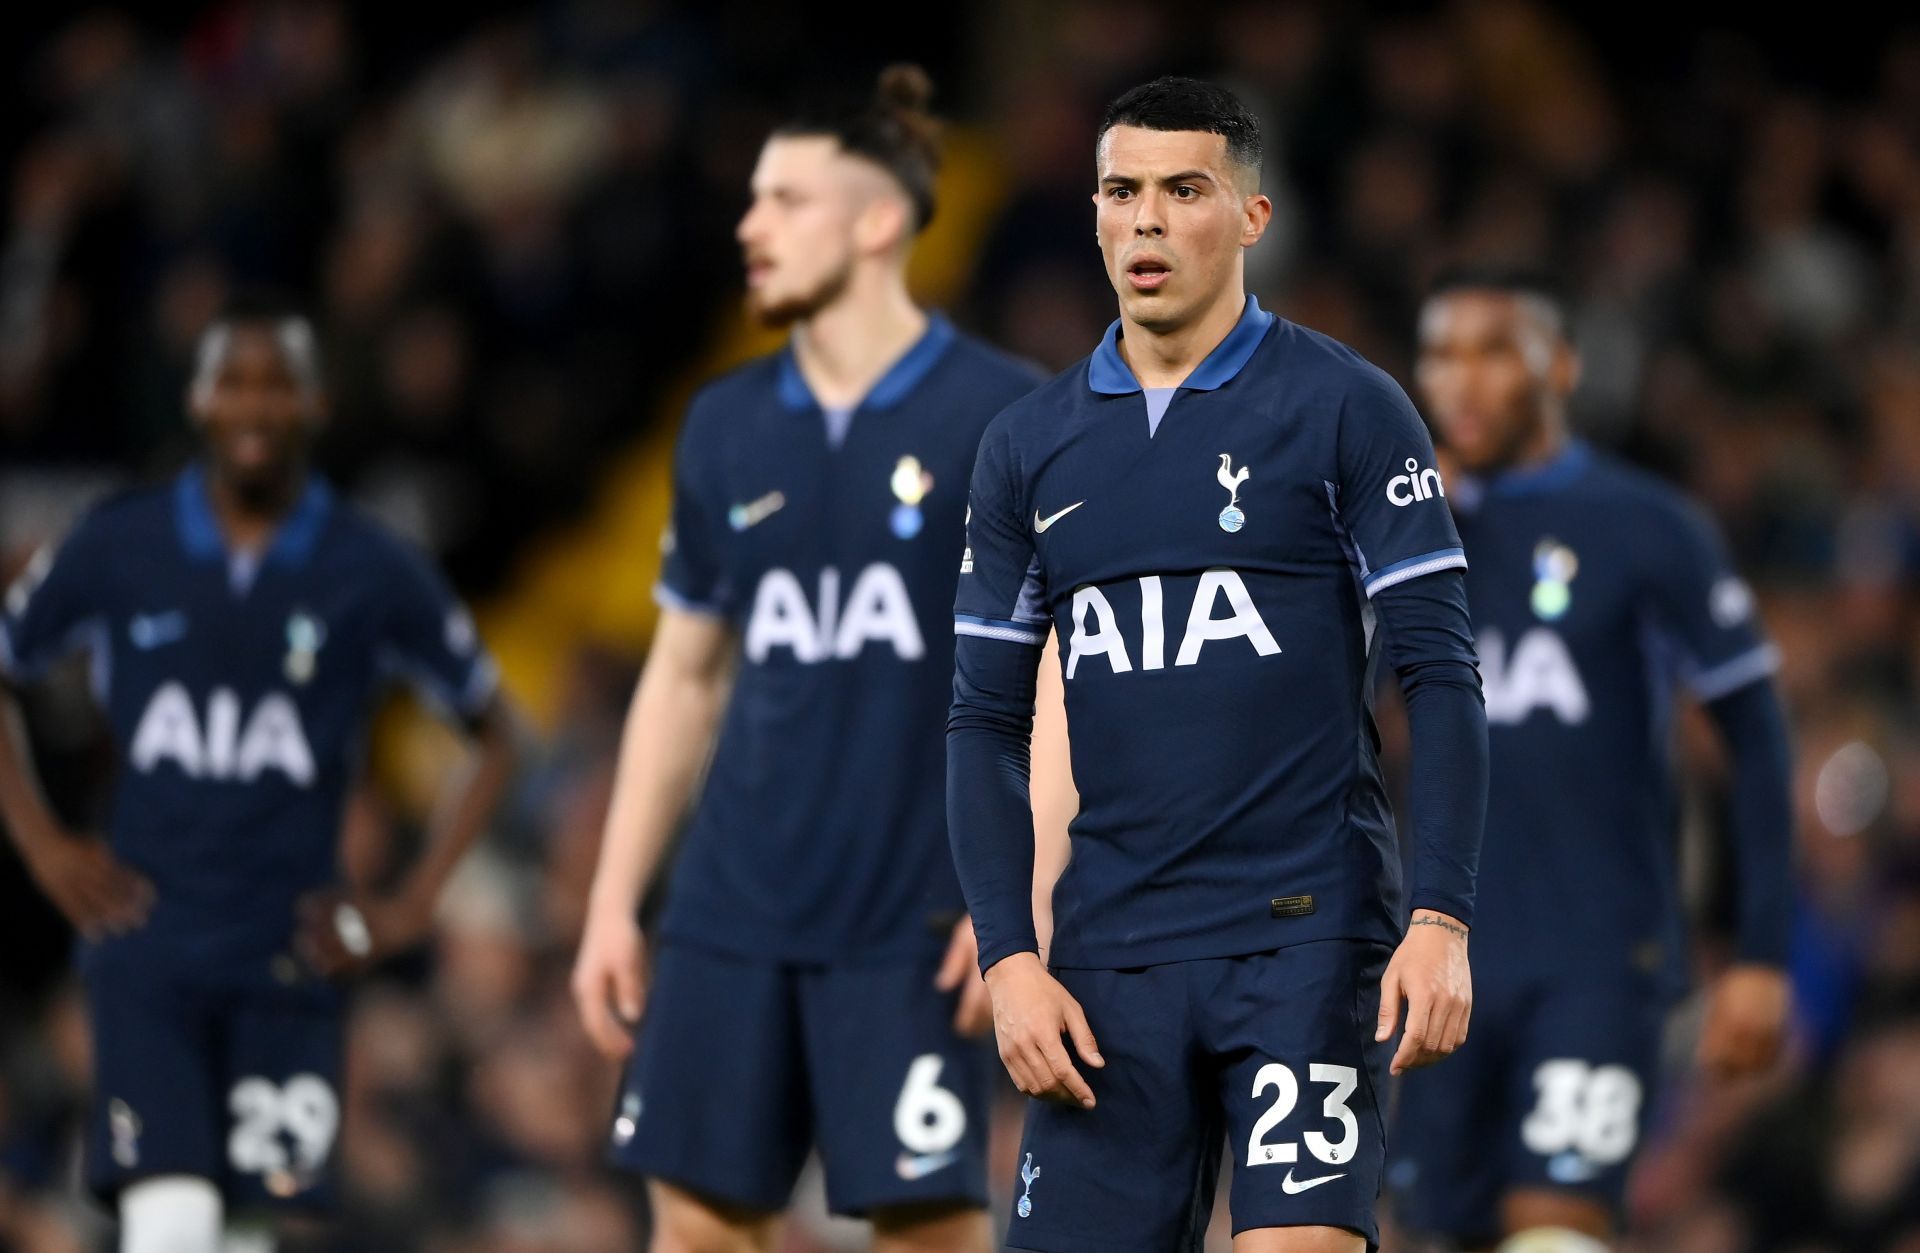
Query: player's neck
[[1166, 358], [247, 523], [844, 349], [1541, 447]]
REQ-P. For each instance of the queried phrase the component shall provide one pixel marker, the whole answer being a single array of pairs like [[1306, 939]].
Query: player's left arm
[[429, 640], [1429, 643], [1711, 618], [1390, 503]]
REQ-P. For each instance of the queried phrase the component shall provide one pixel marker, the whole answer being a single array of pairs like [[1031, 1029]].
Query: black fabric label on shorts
[[1292, 906]]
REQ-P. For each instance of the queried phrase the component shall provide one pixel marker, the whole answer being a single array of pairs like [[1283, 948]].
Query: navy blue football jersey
[[821, 832], [1210, 582], [1597, 592], [238, 690]]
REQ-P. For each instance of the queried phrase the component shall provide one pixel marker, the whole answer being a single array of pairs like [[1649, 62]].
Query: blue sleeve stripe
[[1730, 676], [667, 598], [8, 666], [1414, 567], [999, 629]]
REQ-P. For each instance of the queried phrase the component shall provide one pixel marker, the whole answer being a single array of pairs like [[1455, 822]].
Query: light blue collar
[[293, 540], [1107, 371], [894, 386]]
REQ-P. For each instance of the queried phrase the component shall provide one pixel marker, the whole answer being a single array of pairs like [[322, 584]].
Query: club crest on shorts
[[1028, 1173], [1231, 519], [305, 635], [910, 482]]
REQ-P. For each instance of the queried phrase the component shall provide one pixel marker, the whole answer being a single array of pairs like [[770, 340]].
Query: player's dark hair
[[1509, 278], [892, 127], [1189, 104], [274, 310]]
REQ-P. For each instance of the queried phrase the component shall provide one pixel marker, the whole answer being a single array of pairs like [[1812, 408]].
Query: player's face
[[1173, 214], [256, 410], [1489, 368], [798, 236]]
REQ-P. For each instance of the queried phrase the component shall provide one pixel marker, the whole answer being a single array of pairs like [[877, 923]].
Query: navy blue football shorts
[[1274, 1051], [742, 1066], [1550, 1092], [224, 1074]]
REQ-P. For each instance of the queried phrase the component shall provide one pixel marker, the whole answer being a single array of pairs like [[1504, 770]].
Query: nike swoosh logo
[[911, 1166], [754, 512], [153, 630], [1041, 524], [1294, 1187]]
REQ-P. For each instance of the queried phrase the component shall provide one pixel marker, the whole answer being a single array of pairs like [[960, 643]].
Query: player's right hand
[[609, 982], [1031, 1012], [99, 894]]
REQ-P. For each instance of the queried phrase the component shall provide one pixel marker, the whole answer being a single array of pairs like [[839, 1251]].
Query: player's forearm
[[1429, 644], [989, 815], [23, 805], [1753, 726], [468, 802], [663, 751]]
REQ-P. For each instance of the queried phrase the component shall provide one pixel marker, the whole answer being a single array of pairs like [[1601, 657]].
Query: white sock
[[1551, 1240], [170, 1214]]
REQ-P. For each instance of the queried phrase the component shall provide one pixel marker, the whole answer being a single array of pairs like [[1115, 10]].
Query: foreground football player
[[1205, 512]]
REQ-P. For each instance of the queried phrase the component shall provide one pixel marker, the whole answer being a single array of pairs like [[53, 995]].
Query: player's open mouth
[[1147, 273]]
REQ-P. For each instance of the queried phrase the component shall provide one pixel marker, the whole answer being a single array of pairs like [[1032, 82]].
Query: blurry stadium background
[[515, 230]]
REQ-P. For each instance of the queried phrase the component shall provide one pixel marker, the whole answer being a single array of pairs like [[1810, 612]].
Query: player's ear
[[1259, 212], [883, 224], [195, 403], [1564, 372]]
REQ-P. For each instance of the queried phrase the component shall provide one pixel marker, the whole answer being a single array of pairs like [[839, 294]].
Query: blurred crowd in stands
[[516, 232]]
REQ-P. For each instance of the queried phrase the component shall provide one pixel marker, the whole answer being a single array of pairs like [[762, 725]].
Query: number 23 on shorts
[[1341, 1082]]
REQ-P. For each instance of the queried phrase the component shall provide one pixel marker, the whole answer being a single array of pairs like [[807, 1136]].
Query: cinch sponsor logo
[[1415, 484], [876, 611]]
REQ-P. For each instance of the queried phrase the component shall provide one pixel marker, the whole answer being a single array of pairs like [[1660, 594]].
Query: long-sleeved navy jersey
[[1597, 592], [1213, 571]]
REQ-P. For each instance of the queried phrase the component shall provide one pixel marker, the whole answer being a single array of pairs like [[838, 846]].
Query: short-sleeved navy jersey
[[821, 833], [238, 690], [1597, 591], [1210, 583]]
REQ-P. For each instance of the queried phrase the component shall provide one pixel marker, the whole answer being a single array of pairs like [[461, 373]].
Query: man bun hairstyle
[[1172, 103], [894, 127]]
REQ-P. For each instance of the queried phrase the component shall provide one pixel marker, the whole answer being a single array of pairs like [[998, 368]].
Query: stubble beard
[[782, 314]]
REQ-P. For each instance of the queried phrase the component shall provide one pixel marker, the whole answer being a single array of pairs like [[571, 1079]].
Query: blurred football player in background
[[1597, 592], [238, 621], [814, 986]]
